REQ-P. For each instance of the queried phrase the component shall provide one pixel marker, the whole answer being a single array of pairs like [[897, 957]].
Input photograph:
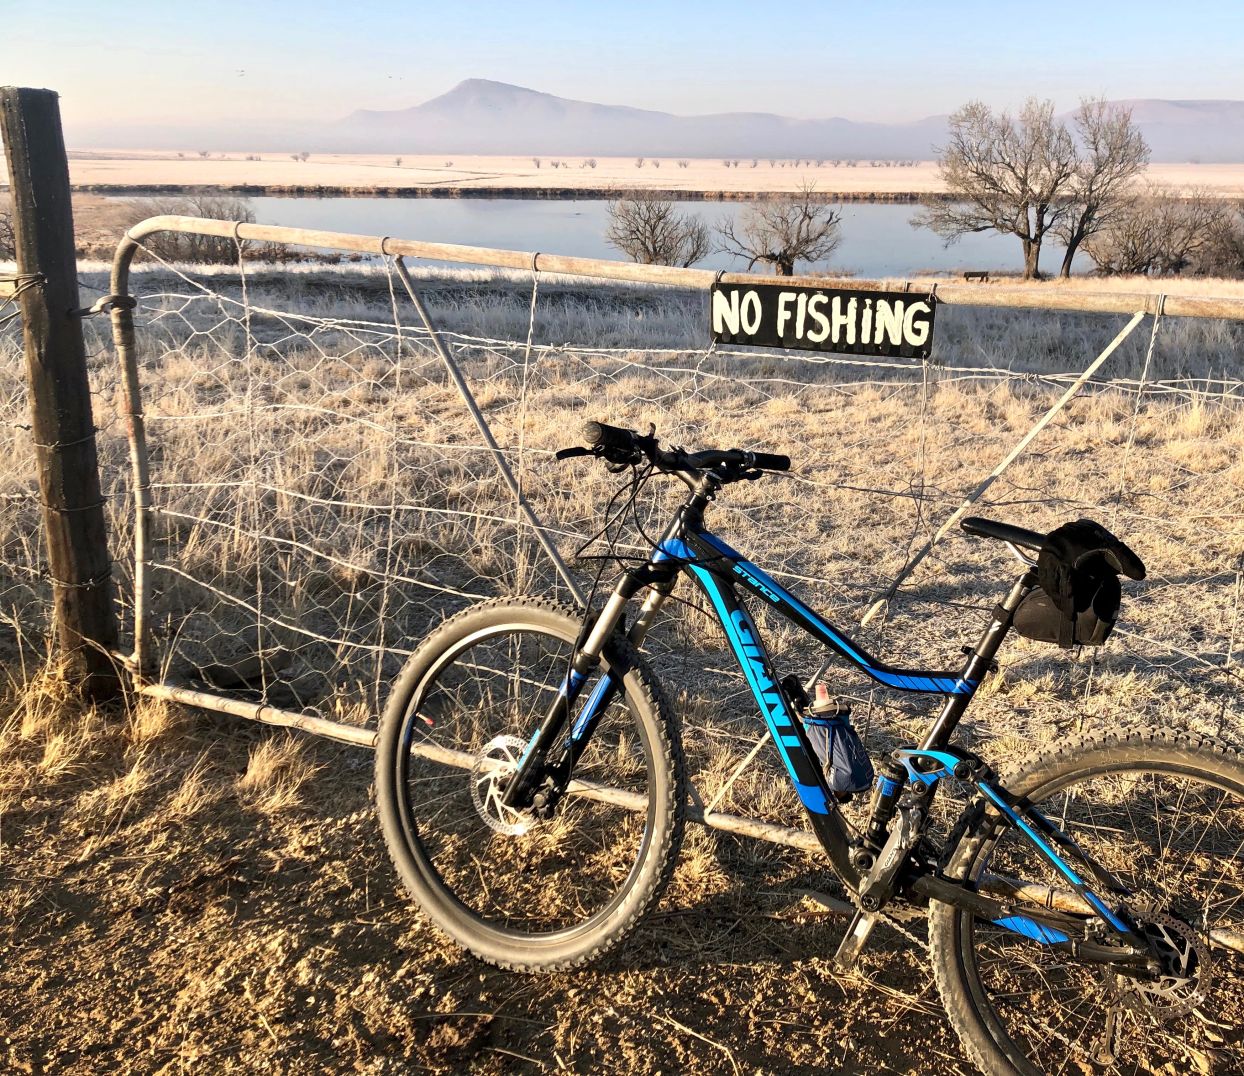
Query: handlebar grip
[[770, 461], [601, 435]]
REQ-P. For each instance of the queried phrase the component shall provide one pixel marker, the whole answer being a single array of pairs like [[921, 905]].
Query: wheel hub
[[490, 774]]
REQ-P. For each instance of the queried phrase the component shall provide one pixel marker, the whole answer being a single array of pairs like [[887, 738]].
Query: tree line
[[1030, 176]]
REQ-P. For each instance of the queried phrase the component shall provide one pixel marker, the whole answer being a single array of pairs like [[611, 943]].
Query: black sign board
[[894, 324]]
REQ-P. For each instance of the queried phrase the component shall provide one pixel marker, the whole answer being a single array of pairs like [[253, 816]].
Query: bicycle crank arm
[[851, 946]]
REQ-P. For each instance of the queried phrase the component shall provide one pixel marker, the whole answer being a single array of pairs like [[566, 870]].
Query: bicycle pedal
[[849, 950]]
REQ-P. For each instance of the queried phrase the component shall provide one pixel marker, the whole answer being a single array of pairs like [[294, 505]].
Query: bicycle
[[530, 785]]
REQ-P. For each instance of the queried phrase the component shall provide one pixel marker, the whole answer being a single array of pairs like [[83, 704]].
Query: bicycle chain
[[896, 924]]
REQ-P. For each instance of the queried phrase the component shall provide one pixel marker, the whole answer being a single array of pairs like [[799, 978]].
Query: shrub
[[180, 247]]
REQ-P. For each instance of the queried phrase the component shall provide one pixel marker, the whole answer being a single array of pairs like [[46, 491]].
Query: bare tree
[[783, 232], [1112, 154], [1161, 233], [1223, 255], [1007, 175], [648, 229]]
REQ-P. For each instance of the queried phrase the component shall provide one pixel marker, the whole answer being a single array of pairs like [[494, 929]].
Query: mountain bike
[[1084, 912]]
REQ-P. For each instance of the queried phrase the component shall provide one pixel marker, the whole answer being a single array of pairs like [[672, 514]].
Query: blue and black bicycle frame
[[888, 860]]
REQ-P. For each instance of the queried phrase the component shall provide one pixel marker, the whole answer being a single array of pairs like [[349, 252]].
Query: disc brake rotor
[[490, 773], [1183, 983]]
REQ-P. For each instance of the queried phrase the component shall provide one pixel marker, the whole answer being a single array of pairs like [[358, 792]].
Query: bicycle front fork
[[549, 759]]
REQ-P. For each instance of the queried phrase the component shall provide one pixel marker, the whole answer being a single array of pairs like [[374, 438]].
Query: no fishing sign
[[888, 324]]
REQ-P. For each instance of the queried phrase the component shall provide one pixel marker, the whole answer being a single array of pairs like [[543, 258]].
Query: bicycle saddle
[[1073, 543], [1004, 532]]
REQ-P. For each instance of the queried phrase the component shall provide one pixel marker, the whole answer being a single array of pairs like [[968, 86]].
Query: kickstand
[[857, 935]]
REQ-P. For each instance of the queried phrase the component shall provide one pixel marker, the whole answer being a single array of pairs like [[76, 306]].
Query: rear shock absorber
[[891, 780]]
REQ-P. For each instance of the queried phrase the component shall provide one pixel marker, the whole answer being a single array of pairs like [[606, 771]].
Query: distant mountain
[[1205, 131], [481, 116]]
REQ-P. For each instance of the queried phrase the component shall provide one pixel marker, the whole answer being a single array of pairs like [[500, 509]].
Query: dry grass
[[128, 167], [156, 914], [214, 894], [277, 775], [342, 493]]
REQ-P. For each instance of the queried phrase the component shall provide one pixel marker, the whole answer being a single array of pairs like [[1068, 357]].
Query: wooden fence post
[[62, 426]]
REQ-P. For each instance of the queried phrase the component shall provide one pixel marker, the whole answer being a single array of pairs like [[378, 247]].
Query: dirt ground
[[183, 893]]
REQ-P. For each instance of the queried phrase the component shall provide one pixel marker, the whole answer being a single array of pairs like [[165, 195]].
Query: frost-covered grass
[[322, 496], [313, 462]]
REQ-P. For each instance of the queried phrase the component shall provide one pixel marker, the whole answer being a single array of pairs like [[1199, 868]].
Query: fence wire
[[321, 498]]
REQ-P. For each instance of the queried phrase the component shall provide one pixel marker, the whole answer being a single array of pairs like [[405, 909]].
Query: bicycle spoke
[[547, 874], [1175, 841]]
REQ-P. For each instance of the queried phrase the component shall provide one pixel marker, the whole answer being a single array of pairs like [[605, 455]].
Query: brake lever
[[616, 463]]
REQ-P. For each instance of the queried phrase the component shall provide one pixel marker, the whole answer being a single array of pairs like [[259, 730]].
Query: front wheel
[[517, 890], [1164, 812]]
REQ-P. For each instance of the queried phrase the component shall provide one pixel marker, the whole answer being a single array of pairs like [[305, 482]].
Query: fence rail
[[973, 295]]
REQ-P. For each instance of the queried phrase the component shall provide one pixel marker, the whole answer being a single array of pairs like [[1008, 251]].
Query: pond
[[877, 239]]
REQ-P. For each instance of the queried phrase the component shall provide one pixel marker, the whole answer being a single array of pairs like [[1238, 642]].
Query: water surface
[[877, 240]]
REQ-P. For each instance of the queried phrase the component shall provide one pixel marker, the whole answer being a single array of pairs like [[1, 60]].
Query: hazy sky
[[230, 61]]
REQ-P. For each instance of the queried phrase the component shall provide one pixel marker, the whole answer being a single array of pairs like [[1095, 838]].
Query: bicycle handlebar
[[619, 445]]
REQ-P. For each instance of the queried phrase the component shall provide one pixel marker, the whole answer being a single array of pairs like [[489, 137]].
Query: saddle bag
[[1076, 602]]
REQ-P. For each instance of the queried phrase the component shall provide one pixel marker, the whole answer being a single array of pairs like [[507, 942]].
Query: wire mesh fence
[[26, 599], [321, 499]]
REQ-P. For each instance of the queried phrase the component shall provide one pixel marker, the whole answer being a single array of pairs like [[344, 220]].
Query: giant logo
[[772, 704]]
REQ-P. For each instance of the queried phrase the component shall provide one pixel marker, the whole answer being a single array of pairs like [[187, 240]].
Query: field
[[180, 891], [124, 168]]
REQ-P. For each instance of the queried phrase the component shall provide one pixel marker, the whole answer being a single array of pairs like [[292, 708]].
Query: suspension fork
[[544, 756]]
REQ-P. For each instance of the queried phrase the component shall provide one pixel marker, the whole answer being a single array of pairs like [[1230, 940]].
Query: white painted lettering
[[725, 312], [916, 333], [889, 321], [785, 298], [844, 320], [750, 312], [821, 331]]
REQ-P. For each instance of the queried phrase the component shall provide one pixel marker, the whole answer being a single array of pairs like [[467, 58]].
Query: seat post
[[980, 660]]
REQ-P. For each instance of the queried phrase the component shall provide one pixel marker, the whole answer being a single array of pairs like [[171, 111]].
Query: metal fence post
[[62, 426]]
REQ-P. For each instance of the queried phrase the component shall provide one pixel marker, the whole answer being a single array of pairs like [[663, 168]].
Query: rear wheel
[[515, 889], [1164, 812]]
